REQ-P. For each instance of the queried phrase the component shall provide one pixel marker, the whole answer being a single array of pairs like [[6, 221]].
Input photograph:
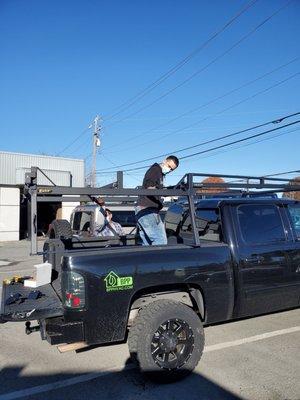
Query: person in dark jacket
[[151, 227]]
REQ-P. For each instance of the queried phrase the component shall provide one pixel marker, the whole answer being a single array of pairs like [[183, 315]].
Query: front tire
[[167, 339]]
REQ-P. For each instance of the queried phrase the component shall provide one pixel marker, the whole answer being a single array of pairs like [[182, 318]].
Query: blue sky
[[63, 62]]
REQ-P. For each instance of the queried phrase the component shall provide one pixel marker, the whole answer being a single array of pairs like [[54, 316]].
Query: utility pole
[[96, 144]]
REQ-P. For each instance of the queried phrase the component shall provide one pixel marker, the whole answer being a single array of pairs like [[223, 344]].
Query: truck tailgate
[[18, 305]]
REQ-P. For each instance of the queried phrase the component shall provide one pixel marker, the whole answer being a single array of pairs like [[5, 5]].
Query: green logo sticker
[[114, 282]]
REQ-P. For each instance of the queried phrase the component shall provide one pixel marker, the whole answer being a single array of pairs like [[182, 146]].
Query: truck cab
[[263, 235]]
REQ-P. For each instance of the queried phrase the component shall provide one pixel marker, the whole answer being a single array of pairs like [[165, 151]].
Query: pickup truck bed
[[23, 308]]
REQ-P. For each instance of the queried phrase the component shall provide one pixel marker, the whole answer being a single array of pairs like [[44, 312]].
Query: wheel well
[[186, 294]]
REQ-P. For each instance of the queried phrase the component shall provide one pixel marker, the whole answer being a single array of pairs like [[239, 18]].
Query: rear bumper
[[57, 331]]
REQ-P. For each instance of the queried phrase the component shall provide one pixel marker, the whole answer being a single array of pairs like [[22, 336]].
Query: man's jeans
[[152, 229]]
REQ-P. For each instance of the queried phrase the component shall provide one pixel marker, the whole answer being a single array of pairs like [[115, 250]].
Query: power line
[[74, 141], [110, 161], [233, 105], [283, 173], [277, 120], [202, 106], [221, 146], [84, 144], [239, 140], [206, 66], [250, 144], [131, 101], [234, 148]]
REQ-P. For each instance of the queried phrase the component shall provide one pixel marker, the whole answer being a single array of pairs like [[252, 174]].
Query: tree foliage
[[213, 179], [293, 195]]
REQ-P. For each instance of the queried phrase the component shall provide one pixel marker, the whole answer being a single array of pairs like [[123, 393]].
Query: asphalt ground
[[255, 358]]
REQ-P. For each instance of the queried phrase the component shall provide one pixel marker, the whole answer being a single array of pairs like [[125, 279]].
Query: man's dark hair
[[174, 159]]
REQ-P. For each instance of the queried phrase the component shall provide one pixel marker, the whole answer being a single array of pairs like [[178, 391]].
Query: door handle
[[254, 259]]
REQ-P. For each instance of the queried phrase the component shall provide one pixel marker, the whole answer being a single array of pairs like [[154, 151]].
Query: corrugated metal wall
[[14, 165]]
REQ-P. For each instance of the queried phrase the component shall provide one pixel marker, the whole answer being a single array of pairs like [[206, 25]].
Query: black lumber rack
[[190, 186]]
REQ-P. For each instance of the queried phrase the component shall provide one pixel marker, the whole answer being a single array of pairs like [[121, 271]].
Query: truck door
[[263, 259]]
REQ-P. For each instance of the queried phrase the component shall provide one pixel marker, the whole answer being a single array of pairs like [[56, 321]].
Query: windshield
[[81, 220]]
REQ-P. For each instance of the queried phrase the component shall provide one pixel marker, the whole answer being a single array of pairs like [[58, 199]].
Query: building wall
[[13, 167], [9, 214], [67, 209]]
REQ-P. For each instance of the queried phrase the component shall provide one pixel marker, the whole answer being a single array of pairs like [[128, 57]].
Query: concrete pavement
[[257, 358]]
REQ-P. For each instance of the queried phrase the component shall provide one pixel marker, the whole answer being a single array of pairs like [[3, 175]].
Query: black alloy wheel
[[167, 340], [172, 344]]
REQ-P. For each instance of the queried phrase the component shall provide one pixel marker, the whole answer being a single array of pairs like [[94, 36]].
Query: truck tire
[[167, 340], [60, 228]]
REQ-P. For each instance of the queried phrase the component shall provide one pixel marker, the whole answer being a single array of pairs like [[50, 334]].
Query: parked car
[[84, 218]]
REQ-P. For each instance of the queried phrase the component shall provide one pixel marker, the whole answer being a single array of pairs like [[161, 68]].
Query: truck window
[[208, 224], [81, 220], [260, 224], [294, 211], [124, 218]]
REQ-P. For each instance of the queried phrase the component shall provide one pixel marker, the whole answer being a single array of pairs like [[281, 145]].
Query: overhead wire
[[249, 5], [198, 108], [131, 101], [197, 72], [110, 161], [239, 140], [250, 144], [176, 151], [73, 141], [84, 144], [235, 148], [283, 173], [243, 10], [221, 146], [233, 105]]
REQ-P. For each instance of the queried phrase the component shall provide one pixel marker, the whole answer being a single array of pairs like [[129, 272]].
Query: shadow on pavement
[[124, 385]]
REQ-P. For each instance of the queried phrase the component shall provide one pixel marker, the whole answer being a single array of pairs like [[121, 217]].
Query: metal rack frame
[[187, 186]]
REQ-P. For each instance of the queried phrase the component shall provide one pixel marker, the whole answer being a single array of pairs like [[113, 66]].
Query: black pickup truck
[[248, 264], [158, 298]]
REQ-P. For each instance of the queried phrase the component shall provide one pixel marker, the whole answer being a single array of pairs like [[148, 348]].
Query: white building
[[13, 211]]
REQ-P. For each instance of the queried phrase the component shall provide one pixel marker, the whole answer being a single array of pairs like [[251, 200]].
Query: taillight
[[73, 290]]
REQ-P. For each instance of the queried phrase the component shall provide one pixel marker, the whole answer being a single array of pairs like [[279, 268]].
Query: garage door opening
[[46, 212]]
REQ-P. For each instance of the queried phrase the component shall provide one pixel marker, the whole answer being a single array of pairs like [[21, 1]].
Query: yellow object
[[14, 279]]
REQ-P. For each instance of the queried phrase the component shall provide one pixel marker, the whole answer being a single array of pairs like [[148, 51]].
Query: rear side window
[[208, 224], [260, 224], [124, 218], [294, 211]]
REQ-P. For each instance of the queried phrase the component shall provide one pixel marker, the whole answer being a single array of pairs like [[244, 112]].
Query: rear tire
[[60, 228], [167, 340]]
